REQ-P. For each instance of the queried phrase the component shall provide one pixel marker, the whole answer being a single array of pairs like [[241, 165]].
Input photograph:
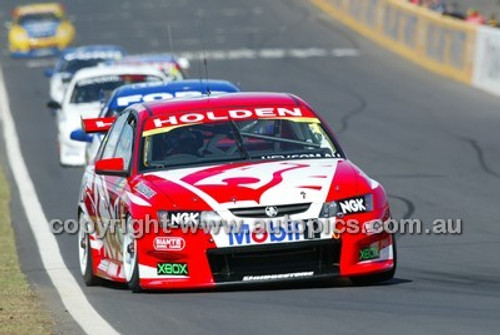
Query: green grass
[[20, 309]]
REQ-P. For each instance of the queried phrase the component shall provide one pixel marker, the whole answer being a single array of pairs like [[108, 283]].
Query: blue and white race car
[[75, 59], [128, 95]]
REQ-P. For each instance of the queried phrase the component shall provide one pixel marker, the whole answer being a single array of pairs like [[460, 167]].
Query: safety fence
[[444, 45]]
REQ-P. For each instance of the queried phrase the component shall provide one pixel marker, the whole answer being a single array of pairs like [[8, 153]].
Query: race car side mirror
[[80, 136], [111, 166], [53, 104], [48, 72]]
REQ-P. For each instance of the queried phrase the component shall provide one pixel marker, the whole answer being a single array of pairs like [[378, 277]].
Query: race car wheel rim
[[129, 251], [83, 246]]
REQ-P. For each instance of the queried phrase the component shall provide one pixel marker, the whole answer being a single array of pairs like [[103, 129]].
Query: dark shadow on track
[[302, 285]]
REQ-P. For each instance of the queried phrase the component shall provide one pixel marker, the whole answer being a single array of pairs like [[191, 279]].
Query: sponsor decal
[[279, 276], [276, 234], [369, 253], [128, 78], [174, 120], [176, 219], [353, 205], [128, 100], [303, 155], [86, 55], [99, 80], [169, 243], [144, 190], [172, 269], [132, 99]]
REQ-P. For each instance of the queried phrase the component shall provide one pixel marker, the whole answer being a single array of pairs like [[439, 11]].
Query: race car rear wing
[[97, 125]]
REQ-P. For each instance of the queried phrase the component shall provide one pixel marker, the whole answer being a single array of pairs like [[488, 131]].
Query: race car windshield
[[262, 139], [38, 18], [94, 89]]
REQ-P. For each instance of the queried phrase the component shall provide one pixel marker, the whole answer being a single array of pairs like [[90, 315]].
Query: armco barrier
[[441, 44]]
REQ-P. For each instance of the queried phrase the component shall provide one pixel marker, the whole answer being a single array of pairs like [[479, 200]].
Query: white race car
[[84, 99], [76, 59]]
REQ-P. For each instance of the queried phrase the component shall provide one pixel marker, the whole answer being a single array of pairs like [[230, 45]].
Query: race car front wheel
[[130, 264], [85, 254]]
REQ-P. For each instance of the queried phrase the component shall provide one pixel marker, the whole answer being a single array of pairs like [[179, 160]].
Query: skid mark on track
[[350, 114], [344, 120], [410, 206], [410, 209], [480, 155]]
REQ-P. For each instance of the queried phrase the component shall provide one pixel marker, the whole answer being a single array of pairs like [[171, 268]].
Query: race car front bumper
[[284, 262], [37, 47], [37, 52]]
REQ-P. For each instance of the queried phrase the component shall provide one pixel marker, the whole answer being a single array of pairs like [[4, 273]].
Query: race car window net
[[91, 90], [261, 139]]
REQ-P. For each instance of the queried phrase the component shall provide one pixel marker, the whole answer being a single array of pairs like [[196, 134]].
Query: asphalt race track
[[432, 143]]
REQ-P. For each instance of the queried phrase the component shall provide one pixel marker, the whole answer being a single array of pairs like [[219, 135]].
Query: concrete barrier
[[438, 43], [487, 60]]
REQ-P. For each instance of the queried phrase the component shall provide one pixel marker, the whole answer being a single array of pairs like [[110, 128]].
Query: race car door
[[117, 144]]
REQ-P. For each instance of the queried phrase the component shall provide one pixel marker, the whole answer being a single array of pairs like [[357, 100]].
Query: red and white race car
[[239, 188]]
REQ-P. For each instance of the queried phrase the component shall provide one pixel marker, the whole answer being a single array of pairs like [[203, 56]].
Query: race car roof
[[38, 8], [97, 71]]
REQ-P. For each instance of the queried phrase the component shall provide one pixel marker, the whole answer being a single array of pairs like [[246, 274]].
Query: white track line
[[241, 54], [68, 289], [270, 53]]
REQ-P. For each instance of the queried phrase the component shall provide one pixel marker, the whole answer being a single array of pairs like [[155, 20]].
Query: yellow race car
[[39, 30]]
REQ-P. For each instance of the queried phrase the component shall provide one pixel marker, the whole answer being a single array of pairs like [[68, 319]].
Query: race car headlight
[[329, 209], [19, 34], [369, 202], [210, 217], [354, 205], [62, 32], [163, 218]]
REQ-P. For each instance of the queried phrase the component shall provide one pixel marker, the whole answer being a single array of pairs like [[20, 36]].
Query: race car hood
[[245, 185], [41, 29]]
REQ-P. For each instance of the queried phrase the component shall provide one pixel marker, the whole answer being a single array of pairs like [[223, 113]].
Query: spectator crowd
[[472, 15]]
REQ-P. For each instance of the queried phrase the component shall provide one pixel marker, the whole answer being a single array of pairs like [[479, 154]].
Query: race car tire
[[130, 257], [85, 255], [378, 277]]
